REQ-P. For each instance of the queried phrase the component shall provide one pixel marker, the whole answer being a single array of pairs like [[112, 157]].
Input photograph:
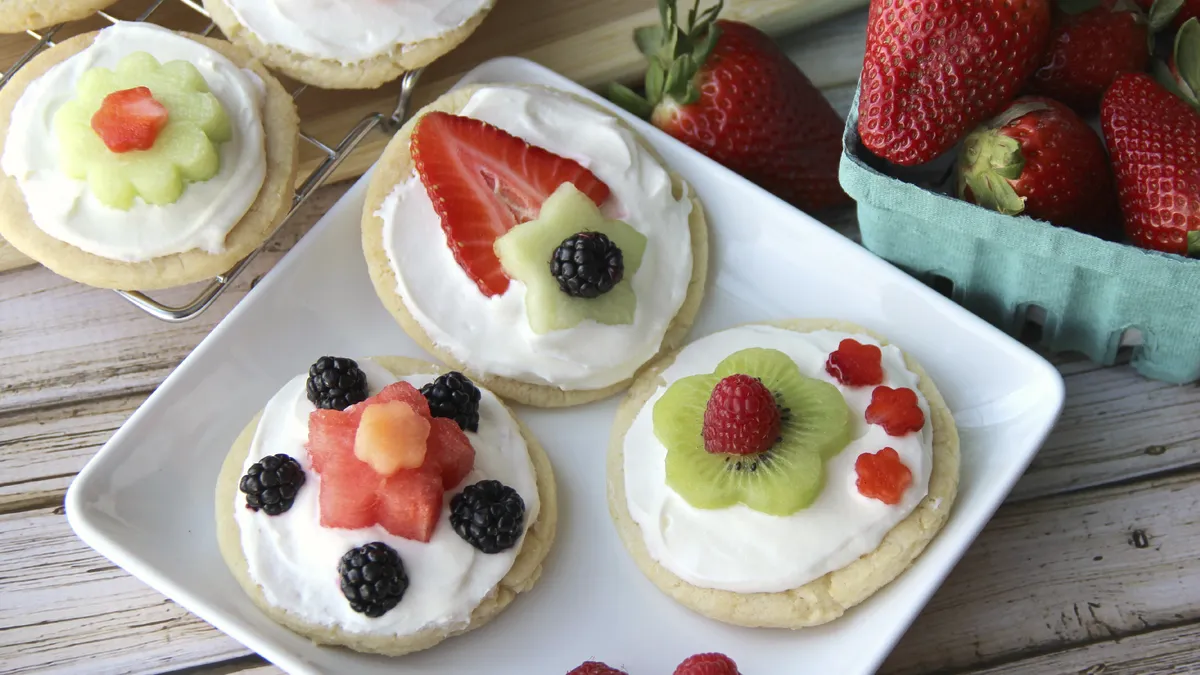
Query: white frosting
[[351, 30], [295, 560], [65, 209], [492, 335], [745, 551]]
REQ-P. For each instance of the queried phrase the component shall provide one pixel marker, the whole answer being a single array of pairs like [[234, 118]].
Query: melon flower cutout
[[755, 432], [526, 254], [144, 130]]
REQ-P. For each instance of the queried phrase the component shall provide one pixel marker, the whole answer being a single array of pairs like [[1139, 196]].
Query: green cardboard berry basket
[[1089, 295]]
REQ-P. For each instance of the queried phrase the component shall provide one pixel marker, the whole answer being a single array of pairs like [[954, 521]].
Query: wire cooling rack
[[385, 122]]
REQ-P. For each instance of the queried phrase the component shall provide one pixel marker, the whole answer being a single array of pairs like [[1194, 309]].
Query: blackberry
[[587, 265], [335, 383], [372, 578], [489, 515], [454, 397], [271, 484]]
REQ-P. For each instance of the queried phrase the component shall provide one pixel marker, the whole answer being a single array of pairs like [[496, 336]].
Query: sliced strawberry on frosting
[[484, 181], [129, 119]]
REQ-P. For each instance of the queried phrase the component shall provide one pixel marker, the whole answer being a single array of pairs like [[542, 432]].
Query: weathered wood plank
[[1168, 651], [1065, 570], [74, 612]]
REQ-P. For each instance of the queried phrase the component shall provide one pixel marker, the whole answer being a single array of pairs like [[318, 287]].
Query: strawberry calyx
[[676, 52], [991, 159], [1183, 75], [1193, 244]]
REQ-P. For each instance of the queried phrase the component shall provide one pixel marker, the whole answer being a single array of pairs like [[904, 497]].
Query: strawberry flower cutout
[[183, 150], [855, 364], [882, 476], [896, 410]]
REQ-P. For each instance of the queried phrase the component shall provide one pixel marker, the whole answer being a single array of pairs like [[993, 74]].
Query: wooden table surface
[[1091, 566]]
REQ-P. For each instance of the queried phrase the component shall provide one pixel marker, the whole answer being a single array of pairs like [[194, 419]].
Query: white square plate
[[769, 261]]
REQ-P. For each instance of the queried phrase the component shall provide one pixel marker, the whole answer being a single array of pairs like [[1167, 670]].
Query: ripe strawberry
[[855, 364], [1087, 51], [483, 182], [595, 668], [727, 91], [896, 410], [1040, 159], [707, 664], [935, 70], [1153, 138], [741, 417], [882, 476], [129, 119]]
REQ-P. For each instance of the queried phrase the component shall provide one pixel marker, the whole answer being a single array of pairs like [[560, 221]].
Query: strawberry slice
[[484, 181], [129, 119]]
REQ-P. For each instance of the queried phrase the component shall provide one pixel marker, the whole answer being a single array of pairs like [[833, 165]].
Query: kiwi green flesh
[[781, 481]]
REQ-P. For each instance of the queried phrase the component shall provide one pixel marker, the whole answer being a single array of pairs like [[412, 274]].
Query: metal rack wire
[[334, 156]]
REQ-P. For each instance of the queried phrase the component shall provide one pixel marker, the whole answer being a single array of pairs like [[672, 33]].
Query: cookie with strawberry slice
[[532, 240], [384, 505], [778, 474]]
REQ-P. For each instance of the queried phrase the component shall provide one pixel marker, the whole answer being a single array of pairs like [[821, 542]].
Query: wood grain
[[1171, 650]]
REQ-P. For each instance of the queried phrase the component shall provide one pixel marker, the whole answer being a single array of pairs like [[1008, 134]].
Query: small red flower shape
[[895, 410], [882, 476], [855, 364]]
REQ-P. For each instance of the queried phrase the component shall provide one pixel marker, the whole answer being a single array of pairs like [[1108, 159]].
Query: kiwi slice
[[525, 252], [816, 425]]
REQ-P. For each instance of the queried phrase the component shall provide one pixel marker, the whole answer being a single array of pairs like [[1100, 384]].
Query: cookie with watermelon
[[785, 477], [470, 228], [367, 481]]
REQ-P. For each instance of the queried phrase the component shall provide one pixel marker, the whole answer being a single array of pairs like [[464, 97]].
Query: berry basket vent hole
[[1032, 320], [941, 284], [1129, 342]]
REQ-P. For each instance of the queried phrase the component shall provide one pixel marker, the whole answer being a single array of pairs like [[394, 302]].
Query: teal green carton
[[1008, 269]]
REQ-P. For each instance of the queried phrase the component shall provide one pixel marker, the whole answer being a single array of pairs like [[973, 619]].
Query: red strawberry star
[[882, 476], [896, 410], [855, 364]]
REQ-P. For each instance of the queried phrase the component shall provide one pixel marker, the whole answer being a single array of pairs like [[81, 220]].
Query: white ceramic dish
[[769, 261]]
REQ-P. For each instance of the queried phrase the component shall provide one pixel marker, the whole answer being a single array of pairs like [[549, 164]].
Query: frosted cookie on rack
[[384, 505], [18, 16], [534, 241], [779, 474], [139, 158], [348, 44]]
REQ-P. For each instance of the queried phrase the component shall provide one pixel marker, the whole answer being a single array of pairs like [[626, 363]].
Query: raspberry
[[855, 364], [595, 668], [895, 410], [741, 418], [882, 476], [707, 664]]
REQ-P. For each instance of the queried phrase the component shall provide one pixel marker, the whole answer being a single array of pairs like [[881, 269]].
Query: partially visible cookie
[[525, 570], [11, 258], [328, 73], [829, 596], [17, 16]]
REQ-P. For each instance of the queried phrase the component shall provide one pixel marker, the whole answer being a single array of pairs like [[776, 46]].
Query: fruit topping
[[271, 484], [896, 410], [391, 436], [882, 476], [489, 515], [408, 502], [372, 578], [336, 383], [484, 181], [814, 425], [855, 364], [707, 664], [587, 265], [525, 251], [129, 119], [595, 668], [741, 417], [143, 129], [454, 397]]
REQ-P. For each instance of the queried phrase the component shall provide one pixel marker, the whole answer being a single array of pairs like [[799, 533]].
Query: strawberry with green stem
[[725, 89]]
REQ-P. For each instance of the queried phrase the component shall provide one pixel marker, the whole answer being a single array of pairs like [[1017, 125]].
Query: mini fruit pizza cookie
[[348, 44], [777, 475], [17, 16], [384, 505], [140, 158], [534, 241]]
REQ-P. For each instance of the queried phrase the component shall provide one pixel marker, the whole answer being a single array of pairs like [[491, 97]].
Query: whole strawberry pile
[[1012, 85]]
